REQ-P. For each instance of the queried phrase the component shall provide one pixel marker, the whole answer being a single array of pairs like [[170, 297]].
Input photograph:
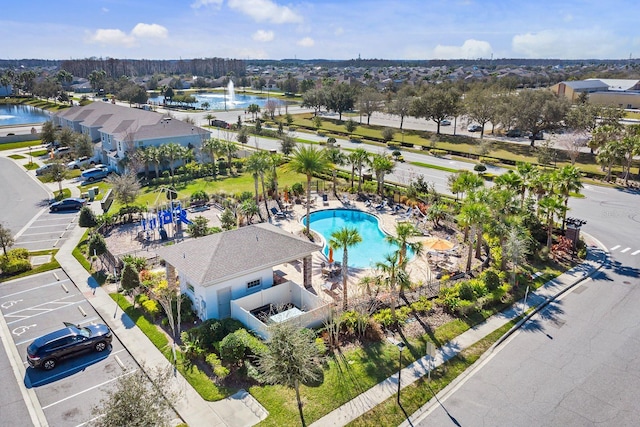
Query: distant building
[[117, 130], [623, 93]]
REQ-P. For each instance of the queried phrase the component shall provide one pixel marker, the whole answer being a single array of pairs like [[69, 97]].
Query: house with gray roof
[[117, 130], [231, 274]]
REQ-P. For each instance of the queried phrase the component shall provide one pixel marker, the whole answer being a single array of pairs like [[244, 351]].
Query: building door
[[224, 300]]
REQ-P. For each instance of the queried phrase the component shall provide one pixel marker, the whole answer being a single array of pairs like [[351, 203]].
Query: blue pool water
[[373, 247], [21, 115]]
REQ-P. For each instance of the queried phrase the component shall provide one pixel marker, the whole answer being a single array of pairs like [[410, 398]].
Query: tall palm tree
[[550, 206], [212, 147], [472, 216], [516, 248], [255, 166], [393, 274], [229, 148], [405, 231], [172, 152], [156, 156], [504, 207], [307, 160], [566, 181], [275, 160], [528, 173], [345, 238], [358, 159], [381, 165], [337, 159]]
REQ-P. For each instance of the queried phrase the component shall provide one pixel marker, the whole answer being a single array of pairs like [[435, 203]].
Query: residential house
[[231, 274], [117, 130]]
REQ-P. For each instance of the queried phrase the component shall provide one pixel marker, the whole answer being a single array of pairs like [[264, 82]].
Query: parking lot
[[48, 231], [39, 304]]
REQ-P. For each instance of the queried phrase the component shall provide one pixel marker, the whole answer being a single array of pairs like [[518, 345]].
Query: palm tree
[[274, 161], [172, 152], [156, 156], [337, 159], [528, 173], [405, 231], [210, 117], [358, 158], [308, 161], [393, 274], [472, 215], [516, 247], [256, 165], [381, 165], [344, 238], [212, 147], [550, 206], [230, 148], [566, 181]]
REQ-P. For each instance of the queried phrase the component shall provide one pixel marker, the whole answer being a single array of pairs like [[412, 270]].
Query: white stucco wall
[[209, 294]]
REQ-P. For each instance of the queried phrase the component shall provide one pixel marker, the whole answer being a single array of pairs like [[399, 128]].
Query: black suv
[[46, 351]]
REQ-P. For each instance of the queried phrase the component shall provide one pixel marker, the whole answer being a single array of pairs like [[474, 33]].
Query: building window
[[253, 284], [190, 287]]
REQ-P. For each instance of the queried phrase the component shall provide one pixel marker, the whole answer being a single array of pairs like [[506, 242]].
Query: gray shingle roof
[[212, 259]]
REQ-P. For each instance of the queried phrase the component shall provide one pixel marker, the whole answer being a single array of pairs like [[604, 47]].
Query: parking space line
[[36, 241], [45, 311], [89, 389], [36, 234], [33, 289]]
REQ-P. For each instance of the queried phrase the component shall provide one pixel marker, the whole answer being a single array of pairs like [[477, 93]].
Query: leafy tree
[[129, 278], [97, 245], [350, 126], [227, 219], [539, 110], [317, 122], [290, 358], [82, 145], [243, 135], [57, 173], [232, 349], [6, 239], [137, 400], [199, 227], [340, 98], [345, 238], [253, 109], [308, 161], [126, 187], [87, 218], [401, 104], [48, 133], [436, 103], [287, 144], [314, 98], [369, 101], [388, 134]]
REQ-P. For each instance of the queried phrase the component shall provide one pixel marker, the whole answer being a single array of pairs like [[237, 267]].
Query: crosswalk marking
[[625, 250], [636, 252], [614, 248]]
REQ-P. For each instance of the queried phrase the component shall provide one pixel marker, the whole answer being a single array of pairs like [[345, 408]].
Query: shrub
[[466, 292], [491, 279], [479, 168], [321, 346], [232, 349], [297, 189], [18, 253], [215, 363], [388, 134], [479, 288], [255, 346], [97, 245], [87, 218], [437, 152], [422, 305], [393, 145], [151, 307], [465, 308], [13, 266]]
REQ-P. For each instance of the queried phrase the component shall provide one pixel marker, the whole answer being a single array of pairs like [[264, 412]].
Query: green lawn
[[23, 144], [51, 265], [17, 156]]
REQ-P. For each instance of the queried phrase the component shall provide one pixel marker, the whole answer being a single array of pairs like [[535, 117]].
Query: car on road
[[514, 133], [42, 170], [46, 351], [474, 128], [80, 162], [68, 204], [220, 124], [445, 122], [95, 173]]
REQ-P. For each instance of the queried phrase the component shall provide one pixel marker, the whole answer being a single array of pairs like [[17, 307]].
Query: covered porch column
[[307, 271]]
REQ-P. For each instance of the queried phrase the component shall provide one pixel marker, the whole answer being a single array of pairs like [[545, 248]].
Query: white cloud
[[568, 44], [470, 49], [111, 37], [152, 31], [338, 31], [263, 36], [203, 3], [306, 42], [265, 10]]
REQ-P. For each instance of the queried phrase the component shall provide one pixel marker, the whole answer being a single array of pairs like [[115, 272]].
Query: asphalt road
[[20, 196]]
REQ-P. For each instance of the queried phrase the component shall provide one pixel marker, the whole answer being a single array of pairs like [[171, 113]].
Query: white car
[[474, 128], [80, 162]]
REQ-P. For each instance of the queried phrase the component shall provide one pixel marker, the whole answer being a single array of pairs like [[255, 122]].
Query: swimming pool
[[373, 247]]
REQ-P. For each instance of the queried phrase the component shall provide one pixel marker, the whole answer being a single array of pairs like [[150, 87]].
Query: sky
[[320, 29]]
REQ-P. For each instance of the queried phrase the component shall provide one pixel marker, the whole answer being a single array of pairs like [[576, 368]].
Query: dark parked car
[[220, 124], [69, 204], [514, 133], [445, 122], [46, 351], [474, 128], [44, 169]]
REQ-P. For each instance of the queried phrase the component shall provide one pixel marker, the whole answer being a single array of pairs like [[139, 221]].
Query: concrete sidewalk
[[538, 299], [238, 410]]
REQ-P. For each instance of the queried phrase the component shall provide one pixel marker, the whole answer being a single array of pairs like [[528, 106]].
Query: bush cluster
[[15, 262], [473, 295]]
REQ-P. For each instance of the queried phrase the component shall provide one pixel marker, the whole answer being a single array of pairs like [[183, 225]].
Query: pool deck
[[418, 267]]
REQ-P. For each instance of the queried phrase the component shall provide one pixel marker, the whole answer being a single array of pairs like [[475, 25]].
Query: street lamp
[[401, 347]]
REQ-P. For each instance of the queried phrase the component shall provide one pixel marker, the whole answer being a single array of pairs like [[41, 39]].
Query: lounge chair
[[278, 213], [381, 206], [367, 203], [345, 200], [406, 216]]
